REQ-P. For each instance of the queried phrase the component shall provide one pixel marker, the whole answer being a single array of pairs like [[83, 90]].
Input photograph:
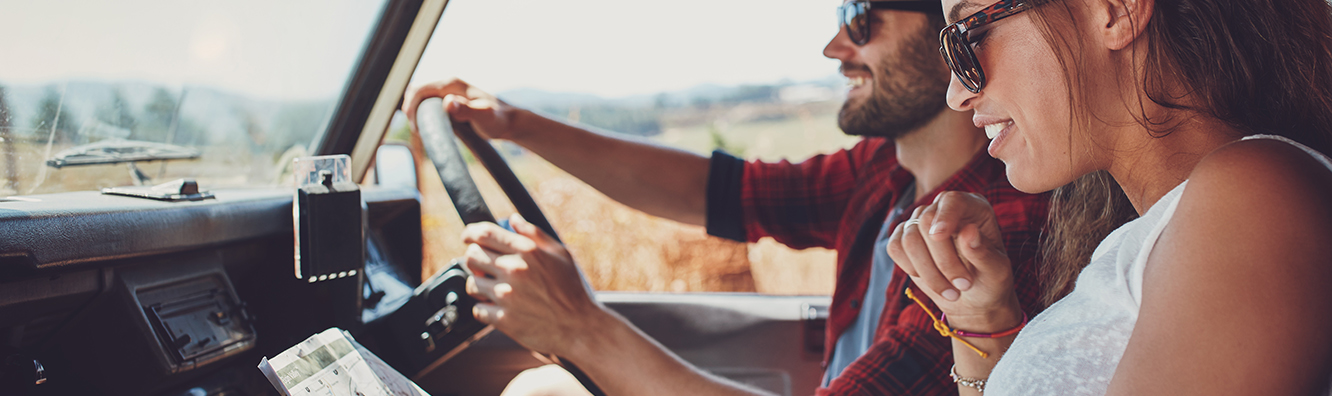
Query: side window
[[745, 76]]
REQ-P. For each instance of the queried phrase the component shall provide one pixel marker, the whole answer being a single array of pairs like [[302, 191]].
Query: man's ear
[[1122, 21]]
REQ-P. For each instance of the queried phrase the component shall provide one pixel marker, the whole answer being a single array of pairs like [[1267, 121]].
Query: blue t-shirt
[[858, 338]]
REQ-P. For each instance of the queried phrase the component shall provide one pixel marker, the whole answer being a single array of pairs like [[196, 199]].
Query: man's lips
[[856, 75]]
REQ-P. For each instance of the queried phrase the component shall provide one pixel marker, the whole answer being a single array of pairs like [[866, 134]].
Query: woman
[[1222, 285]]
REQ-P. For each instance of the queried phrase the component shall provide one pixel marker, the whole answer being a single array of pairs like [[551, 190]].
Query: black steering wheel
[[437, 134]]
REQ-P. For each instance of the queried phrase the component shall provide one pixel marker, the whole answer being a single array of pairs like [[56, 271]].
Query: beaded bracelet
[[974, 383], [947, 331]]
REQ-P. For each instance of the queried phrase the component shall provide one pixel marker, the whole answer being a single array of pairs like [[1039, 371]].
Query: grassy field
[[620, 248], [216, 166]]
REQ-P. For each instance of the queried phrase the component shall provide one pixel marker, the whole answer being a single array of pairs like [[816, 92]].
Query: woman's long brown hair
[[1082, 213], [1260, 66]]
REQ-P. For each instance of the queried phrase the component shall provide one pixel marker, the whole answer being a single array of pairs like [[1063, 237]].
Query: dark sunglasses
[[955, 41], [854, 15]]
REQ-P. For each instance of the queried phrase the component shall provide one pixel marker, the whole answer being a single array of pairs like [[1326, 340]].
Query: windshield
[[100, 94]]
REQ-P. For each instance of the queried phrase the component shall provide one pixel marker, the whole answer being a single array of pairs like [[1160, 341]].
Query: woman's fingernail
[[950, 295], [937, 227], [962, 284], [975, 243]]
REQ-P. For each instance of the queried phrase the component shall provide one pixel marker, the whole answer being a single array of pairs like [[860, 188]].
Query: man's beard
[[905, 94]]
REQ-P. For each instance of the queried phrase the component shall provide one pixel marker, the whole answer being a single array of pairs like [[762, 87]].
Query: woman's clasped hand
[[954, 252]]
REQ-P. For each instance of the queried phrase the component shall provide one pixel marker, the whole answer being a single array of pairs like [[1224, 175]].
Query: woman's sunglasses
[[854, 15], [955, 41]]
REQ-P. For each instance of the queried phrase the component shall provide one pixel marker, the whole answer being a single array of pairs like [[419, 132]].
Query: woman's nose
[[959, 98]]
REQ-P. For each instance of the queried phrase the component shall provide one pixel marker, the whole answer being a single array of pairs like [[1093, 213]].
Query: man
[[879, 342]]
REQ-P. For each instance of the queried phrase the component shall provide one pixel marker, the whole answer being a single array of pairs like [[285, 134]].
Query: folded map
[[331, 363]]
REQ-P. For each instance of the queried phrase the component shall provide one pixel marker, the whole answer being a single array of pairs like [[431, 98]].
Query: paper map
[[331, 363]]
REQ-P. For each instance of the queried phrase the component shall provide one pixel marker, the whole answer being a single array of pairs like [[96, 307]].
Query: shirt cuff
[[725, 174]]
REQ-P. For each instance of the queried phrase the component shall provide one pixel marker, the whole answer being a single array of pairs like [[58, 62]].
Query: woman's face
[[1025, 100]]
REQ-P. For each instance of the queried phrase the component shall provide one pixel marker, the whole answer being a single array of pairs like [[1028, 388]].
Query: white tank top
[[1073, 347]]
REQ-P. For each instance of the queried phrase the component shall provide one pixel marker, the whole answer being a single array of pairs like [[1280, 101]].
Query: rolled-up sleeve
[[725, 179]]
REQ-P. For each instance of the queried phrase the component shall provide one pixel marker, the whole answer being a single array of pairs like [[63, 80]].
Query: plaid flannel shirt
[[839, 201]]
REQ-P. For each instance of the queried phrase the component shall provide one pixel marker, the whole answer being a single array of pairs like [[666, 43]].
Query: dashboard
[[104, 294]]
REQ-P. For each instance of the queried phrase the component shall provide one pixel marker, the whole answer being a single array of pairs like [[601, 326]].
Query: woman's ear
[[1122, 21]]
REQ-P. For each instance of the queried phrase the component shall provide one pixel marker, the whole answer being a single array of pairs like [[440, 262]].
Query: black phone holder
[[330, 222]]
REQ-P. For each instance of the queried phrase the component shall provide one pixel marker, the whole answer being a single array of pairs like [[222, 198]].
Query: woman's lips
[[992, 130], [997, 132]]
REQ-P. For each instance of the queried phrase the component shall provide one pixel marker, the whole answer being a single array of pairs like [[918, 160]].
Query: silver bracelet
[[974, 383]]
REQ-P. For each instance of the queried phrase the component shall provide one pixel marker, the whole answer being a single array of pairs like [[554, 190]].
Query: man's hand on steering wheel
[[528, 286], [464, 103]]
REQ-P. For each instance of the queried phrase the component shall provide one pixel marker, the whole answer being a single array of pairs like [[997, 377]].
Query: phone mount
[[330, 221]]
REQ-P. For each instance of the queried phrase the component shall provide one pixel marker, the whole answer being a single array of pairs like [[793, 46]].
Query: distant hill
[[644, 114], [206, 116], [211, 116], [702, 93]]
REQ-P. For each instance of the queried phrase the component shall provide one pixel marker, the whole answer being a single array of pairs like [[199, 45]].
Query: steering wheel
[[437, 136]]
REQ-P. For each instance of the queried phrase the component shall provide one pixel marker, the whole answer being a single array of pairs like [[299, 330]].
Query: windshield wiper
[[116, 151]]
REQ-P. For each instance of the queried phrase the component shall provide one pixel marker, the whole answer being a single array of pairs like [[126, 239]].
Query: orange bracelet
[[943, 317], [946, 331]]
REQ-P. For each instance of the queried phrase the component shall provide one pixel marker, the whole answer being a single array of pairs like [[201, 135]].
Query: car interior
[[180, 288]]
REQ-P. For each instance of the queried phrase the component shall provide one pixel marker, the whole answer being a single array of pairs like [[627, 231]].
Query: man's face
[[898, 81]]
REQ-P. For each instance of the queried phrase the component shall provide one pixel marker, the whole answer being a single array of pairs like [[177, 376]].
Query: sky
[[288, 49], [303, 49], [623, 47]]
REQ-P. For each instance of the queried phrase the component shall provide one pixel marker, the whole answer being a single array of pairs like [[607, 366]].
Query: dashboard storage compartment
[[196, 321], [160, 322]]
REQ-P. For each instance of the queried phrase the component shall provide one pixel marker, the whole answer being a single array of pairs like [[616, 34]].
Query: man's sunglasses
[[955, 41], [854, 15]]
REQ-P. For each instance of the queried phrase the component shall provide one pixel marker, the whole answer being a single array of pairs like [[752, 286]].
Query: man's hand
[[531, 290], [464, 103], [954, 251], [528, 286]]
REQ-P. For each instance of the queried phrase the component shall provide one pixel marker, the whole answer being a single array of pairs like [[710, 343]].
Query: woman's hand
[[464, 103], [528, 286], [954, 251]]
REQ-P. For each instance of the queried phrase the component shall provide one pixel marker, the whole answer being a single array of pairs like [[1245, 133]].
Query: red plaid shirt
[[839, 201]]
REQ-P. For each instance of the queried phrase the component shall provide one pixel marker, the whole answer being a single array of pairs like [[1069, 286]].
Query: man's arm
[[656, 179], [530, 289]]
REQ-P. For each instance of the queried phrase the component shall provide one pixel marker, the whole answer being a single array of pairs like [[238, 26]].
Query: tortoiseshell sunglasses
[[955, 41]]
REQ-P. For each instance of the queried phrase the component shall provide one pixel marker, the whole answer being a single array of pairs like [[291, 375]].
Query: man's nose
[[841, 47], [959, 98]]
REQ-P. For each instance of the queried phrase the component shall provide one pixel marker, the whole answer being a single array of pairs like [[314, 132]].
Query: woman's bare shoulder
[[1246, 257], [1262, 171], [1257, 199]]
